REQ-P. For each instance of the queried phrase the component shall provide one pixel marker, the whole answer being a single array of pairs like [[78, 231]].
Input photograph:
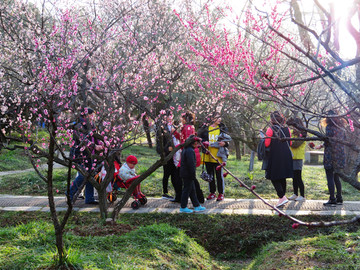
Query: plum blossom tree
[[259, 55], [117, 57], [127, 59]]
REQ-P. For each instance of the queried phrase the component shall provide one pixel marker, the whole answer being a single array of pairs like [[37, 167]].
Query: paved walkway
[[228, 206], [44, 166]]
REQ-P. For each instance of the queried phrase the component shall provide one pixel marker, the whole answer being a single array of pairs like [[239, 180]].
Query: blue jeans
[[89, 188]]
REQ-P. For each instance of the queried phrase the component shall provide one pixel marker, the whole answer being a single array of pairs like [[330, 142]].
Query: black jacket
[[280, 162], [188, 163]]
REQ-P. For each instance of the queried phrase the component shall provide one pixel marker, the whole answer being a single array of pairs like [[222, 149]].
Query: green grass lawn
[[13, 160], [340, 250], [157, 246], [175, 241], [313, 176]]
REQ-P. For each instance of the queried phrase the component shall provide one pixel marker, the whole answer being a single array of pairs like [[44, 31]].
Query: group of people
[[285, 157], [182, 168]]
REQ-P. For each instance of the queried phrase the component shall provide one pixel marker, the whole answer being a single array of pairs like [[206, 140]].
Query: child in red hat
[[128, 175], [127, 170], [132, 160]]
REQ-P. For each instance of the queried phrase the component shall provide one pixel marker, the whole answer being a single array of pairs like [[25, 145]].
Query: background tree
[[127, 59], [117, 58], [269, 63]]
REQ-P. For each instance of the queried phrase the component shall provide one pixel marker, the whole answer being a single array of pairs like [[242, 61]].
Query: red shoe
[[220, 197], [211, 196]]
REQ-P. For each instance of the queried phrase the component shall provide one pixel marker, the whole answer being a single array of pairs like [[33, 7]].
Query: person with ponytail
[[280, 164], [334, 155]]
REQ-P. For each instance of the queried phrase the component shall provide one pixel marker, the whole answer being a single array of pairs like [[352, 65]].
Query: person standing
[[298, 151], [84, 146], [188, 176], [280, 162], [209, 135], [188, 129], [170, 139], [334, 155]]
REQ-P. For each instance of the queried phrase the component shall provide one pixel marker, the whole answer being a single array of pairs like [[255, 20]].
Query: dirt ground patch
[[99, 230]]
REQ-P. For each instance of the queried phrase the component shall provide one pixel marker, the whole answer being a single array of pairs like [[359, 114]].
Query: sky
[[347, 43]]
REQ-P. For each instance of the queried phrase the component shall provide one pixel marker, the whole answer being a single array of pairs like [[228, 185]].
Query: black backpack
[[261, 149]]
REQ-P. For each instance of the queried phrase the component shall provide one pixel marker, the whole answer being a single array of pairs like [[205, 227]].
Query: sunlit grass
[[13, 160], [30, 183], [158, 246], [320, 252]]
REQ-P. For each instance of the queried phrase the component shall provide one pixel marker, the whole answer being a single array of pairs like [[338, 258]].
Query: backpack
[[261, 149]]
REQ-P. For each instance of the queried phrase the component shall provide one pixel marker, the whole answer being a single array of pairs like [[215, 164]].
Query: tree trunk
[[101, 187], [58, 229], [252, 160], [102, 202], [304, 35], [336, 28], [237, 149], [354, 32], [147, 130]]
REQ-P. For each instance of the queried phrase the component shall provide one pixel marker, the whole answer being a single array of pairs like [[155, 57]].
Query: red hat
[[132, 160]]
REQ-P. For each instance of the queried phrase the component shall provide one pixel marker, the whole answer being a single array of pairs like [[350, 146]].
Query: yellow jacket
[[214, 133], [298, 152]]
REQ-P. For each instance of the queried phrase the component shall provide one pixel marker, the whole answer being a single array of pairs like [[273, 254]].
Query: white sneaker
[[293, 197], [282, 201], [300, 199]]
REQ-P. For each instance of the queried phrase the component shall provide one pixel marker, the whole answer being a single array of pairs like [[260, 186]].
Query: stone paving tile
[[228, 206]]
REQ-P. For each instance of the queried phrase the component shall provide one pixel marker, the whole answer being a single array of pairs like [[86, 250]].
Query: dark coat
[[334, 153], [280, 163], [188, 163]]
